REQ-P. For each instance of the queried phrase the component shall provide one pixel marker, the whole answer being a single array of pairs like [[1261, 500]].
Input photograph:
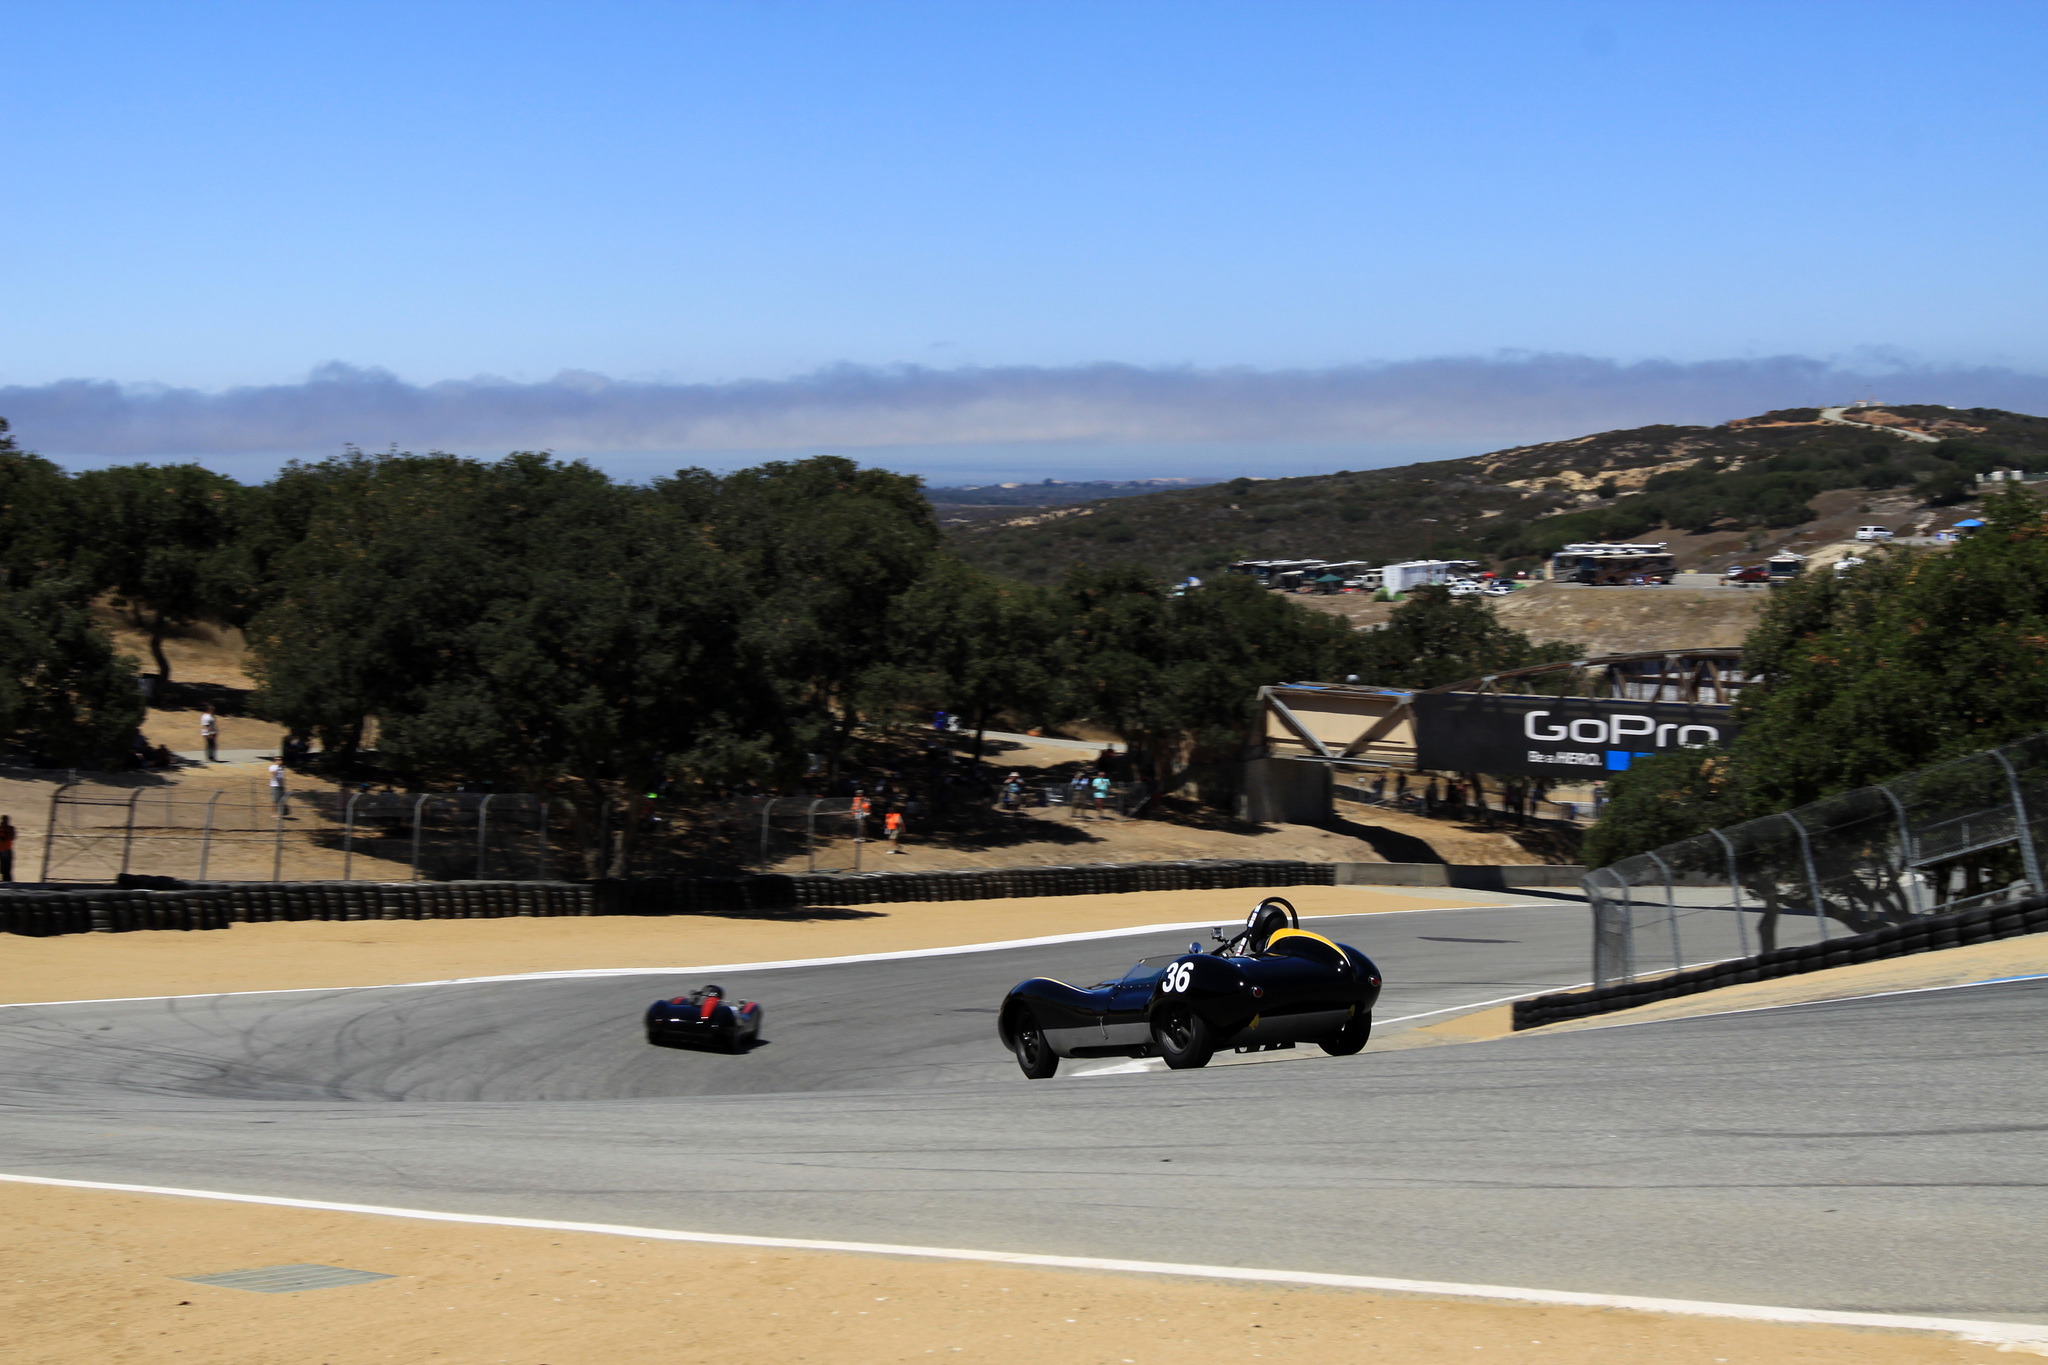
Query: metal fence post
[[348, 838], [1735, 890], [2028, 858], [1671, 912], [542, 805], [767, 809], [50, 829], [418, 809], [277, 849], [483, 826], [128, 836], [1906, 852], [1613, 952], [206, 835], [811, 835], [1812, 877]]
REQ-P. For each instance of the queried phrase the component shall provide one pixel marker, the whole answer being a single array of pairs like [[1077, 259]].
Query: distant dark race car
[[1271, 985], [704, 1018]]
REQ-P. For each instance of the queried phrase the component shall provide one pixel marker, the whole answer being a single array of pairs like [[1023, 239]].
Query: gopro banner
[[1468, 732]]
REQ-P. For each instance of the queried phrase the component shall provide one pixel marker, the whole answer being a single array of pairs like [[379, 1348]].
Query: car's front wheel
[[1181, 1038], [1035, 1057], [1350, 1039]]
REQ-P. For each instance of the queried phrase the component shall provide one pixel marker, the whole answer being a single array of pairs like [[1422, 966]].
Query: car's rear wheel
[[1181, 1038], [1035, 1057], [1350, 1039]]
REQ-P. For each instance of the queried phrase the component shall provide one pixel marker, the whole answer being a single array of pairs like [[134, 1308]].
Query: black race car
[[1271, 985], [704, 1018]]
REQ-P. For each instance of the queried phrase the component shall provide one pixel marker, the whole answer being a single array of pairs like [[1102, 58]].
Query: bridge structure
[[1350, 725]]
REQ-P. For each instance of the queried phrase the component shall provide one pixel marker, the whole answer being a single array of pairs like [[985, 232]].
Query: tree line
[[1909, 659], [530, 624]]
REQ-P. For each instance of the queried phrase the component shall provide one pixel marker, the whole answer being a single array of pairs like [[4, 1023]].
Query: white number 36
[[1177, 977]]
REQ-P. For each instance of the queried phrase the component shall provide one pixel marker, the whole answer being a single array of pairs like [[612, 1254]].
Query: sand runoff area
[[96, 1275]]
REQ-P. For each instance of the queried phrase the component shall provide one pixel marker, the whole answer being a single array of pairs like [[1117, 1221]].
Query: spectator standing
[[1077, 795], [6, 849], [1101, 786], [277, 784], [209, 732], [894, 822]]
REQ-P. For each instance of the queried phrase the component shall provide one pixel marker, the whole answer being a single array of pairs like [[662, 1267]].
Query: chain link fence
[[830, 833], [247, 834], [1947, 838]]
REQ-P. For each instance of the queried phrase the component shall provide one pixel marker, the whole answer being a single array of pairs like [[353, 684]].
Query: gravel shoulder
[[88, 1274]]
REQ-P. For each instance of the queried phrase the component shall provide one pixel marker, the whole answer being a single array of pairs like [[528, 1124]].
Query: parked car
[[1873, 533], [1754, 574], [1846, 563], [1465, 587]]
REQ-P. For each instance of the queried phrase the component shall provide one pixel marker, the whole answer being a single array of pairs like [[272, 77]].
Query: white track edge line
[[2023, 1334], [1787, 1004], [900, 955], [1479, 1005]]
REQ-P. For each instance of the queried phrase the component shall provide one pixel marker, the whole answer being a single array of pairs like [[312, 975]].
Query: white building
[[1421, 573]]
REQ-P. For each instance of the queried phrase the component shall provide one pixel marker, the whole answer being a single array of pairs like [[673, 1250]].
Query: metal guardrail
[[1943, 839]]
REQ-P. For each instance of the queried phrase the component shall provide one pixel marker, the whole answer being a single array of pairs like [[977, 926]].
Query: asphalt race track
[[1879, 1155]]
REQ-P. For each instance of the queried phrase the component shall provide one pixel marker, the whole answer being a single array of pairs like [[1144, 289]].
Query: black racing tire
[[1351, 1039], [655, 1039], [1035, 1057], [1181, 1038]]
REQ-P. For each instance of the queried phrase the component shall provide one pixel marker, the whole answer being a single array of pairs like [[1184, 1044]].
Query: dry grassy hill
[[1716, 492]]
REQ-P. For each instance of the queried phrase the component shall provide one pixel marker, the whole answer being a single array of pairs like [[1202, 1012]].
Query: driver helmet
[[1265, 921]]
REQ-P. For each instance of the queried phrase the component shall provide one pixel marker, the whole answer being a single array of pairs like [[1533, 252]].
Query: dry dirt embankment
[[1603, 620], [1631, 620], [89, 1275]]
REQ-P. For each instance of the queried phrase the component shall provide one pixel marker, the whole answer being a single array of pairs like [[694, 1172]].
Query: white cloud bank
[[1499, 401]]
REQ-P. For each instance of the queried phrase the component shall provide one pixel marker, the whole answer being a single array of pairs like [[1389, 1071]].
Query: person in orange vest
[[894, 822], [859, 811]]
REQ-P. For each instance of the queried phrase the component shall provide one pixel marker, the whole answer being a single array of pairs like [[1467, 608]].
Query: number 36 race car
[[1271, 985], [704, 1018]]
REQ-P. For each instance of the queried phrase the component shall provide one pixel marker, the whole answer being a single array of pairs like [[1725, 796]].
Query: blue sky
[[213, 197]]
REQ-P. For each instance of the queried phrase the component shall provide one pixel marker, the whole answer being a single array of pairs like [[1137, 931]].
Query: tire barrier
[[741, 895], [124, 909], [163, 903], [1980, 924]]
